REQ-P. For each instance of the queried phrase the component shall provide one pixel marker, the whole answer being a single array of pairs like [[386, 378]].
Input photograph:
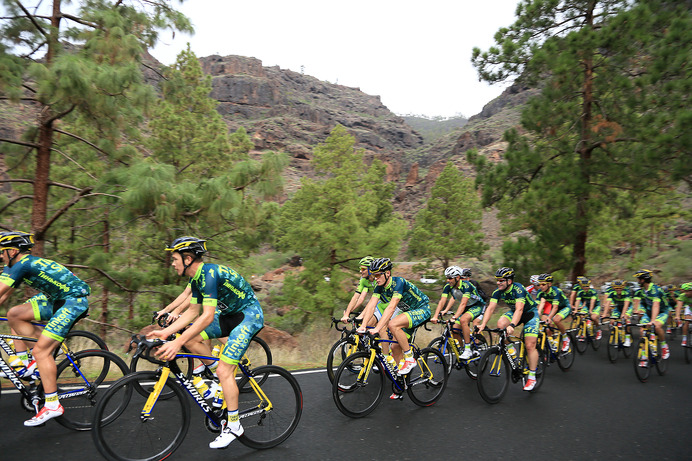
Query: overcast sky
[[415, 55]]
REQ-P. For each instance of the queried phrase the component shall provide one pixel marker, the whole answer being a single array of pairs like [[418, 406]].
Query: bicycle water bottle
[[202, 387], [589, 327], [217, 399], [652, 342], [553, 343], [512, 352], [391, 363], [216, 351]]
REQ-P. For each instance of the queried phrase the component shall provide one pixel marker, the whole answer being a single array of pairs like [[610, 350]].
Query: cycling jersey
[[399, 287], [517, 293], [63, 298], [220, 286], [617, 302], [555, 296], [533, 290], [464, 290], [649, 296], [52, 279], [585, 296], [365, 284], [684, 299]]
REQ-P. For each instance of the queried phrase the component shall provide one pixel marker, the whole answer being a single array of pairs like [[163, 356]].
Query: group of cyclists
[[217, 302], [401, 306]]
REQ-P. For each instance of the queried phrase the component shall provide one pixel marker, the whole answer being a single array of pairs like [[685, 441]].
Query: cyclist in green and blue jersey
[[229, 308], [683, 306], [63, 301], [471, 305], [365, 284], [651, 297], [396, 293], [617, 305], [523, 309], [590, 304], [558, 303]]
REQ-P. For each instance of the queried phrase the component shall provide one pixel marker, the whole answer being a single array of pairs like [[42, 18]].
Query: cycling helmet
[[365, 262], [534, 279], [380, 265], [188, 244], [454, 271], [545, 278], [466, 272], [617, 284], [504, 273], [686, 286], [16, 240], [584, 281], [644, 274]]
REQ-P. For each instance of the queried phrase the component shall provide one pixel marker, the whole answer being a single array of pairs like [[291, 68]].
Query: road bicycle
[[146, 426], [257, 354], [688, 345], [344, 346], [502, 363], [616, 339], [584, 333], [648, 354], [75, 340], [81, 379], [452, 350], [550, 347], [359, 382]]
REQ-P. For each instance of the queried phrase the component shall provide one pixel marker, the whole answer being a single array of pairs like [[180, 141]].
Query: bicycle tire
[[270, 428], [626, 350], [596, 343], [87, 370], [354, 396], [426, 383], [565, 359], [472, 363], [129, 437], [642, 372], [79, 340], [661, 364], [138, 364], [494, 373], [337, 354], [541, 370], [581, 341], [257, 355], [688, 349], [613, 345], [442, 345]]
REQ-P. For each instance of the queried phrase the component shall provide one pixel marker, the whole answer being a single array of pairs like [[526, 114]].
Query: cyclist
[[587, 297], [533, 289], [655, 310], [365, 284], [396, 293], [471, 305], [684, 301], [523, 309], [553, 299], [63, 301], [617, 305], [229, 308], [576, 289]]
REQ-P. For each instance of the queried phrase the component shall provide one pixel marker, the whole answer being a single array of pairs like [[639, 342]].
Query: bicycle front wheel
[[613, 345], [661, 365], [82, 379], [580, 341], [642, 361], [122, 432], [337, 354], [596, 343], [472, 363], [442, 345], [688, 349], [565, 359], [427, 382], [271, 413], [493, 375], [357, 393]]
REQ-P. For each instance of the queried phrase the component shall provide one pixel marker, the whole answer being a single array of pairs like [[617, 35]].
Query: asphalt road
[[597, 410]]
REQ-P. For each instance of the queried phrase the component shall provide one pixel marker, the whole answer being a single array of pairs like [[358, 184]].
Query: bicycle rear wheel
[[355, 393], [493, 375], [688, 349], [642, 367], [271, 420], [472, 363], [137, 364], [86, 374], [442, 344], [613, 345], [79, 340], [337, 354], [257, 355], [121, 432], [427, 382]]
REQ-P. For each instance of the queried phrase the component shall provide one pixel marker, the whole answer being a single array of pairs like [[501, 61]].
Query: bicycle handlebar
[[144, 347]]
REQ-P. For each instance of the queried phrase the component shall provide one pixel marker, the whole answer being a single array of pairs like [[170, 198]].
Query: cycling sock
[[233, 420], [532, 374], [408, 354], [52, 402]]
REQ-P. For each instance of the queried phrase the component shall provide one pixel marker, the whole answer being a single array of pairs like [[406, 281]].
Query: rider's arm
[[462, 306], [606, 307], [5, 292], [592, 304], [439, 307], [182, 298], [678, 309], [450, 304], [553, 310], [369, 309], [355, 301], [488, 313], [518, 311], [655, 309]]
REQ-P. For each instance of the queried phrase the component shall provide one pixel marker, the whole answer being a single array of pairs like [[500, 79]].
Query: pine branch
[[19, 143], [82, 193], [7, 205]]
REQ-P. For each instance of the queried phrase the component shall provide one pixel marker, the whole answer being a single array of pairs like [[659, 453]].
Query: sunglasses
[[542, 284]]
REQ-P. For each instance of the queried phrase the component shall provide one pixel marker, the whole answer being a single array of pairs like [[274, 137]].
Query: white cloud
[[414, 55]]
